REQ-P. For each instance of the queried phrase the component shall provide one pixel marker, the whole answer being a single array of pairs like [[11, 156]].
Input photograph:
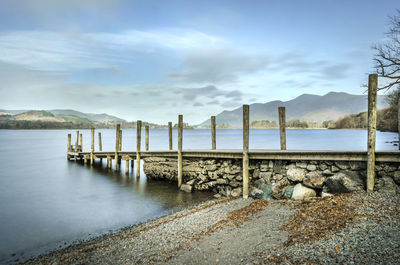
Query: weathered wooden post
[[81, 145], [147, 137], [282, 127], [372, 94], [76, 145], [109, 160], [127, 166], [92, 147], [246, 151], [138, 143], [120, 141], [213, 134], [69, 143], [117, 145], [180, 134], [100, 146], [398, 120], [170, 135]]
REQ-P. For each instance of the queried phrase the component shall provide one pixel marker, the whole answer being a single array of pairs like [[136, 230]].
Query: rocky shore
[[353, 228]]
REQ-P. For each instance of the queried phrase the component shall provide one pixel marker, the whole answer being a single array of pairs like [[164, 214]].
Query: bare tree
[[387, 57]]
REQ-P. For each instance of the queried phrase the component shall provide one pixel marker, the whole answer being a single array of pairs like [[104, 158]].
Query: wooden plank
[[138, 144], [147, 137], [213, 134], [282, 127], [246, 127], [180, 135], [372, 95], [170, 135], [117, 130]]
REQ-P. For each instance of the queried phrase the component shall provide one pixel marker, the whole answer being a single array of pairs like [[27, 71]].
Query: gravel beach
[[356, 228]]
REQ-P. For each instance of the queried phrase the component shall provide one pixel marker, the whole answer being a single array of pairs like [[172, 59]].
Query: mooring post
[[398, 121], [372, 94], [81, 141], [109, 159], [170, 135], [76, 145], [92, 147], [69, 143], [147, 137], [213, 134], [138, 143], [127, 166], [246, 116], [180, 134], [282, 127], [120, 141], [100, 146], [117, 130]]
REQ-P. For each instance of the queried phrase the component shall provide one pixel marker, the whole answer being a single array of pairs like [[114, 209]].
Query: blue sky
[[153, 60]]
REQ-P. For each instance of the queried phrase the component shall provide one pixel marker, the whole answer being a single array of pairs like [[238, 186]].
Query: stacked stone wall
[[279, 179]]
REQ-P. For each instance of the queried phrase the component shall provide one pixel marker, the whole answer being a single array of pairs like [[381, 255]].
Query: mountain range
[[307, 107]]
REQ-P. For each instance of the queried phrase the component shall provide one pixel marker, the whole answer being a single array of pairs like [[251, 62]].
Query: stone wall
[[278, 179]]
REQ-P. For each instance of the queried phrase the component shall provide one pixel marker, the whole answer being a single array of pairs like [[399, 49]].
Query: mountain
[[307, 107], [69, 115]]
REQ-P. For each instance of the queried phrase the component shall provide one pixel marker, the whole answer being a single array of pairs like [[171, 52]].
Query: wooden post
[[246, 116], [85, 159], [120, 141], [127, 166], [69, 143], [100, 147], [147, 137], [372, 95], [109, 160], [398, 120], [213, 135], [92, 147], [180, 134], [81, 145], [116, 146], [138, 143], [170, 135], [282, 127], [100, 144], [77, 142]]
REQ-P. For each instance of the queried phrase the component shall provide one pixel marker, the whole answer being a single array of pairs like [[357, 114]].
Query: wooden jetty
[[116, 156]]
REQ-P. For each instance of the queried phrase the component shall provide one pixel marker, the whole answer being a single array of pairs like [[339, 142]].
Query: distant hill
[[72, 114], [307, 107]]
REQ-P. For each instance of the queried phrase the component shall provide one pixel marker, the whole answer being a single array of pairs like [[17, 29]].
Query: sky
[[152, 60]]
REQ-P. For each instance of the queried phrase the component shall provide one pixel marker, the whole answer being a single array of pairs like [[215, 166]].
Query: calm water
[[47, 202]]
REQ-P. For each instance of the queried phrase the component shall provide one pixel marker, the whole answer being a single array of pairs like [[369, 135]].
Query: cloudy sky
[[153, 60]]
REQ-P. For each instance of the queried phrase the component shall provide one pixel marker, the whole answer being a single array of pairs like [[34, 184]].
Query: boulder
[[222, 181], [327, 172], [301, 164], [314, 179], [234, 184], [344, 183], [311, 167], [186, 187], [335, 168], [256, 193], [388, 186], [278, 189], [323, 166], [396, 177], [236, 192], [326, 194], [357, 165], [342, 164], [264, 167], [190, 182], [266, 176], [301, 192], [296, 174]]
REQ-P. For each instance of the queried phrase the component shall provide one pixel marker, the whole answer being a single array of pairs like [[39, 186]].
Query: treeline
[[295, 124], [25, 124]]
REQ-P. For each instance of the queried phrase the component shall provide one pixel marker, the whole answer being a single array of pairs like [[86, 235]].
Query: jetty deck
[[370, 156]]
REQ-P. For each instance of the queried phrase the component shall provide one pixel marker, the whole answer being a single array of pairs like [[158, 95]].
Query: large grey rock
[[296, 174], [186, 187], [301, 164], [266, 176], [301, 192], [323, 166], [344, 183], [256, 193], [342, 165], [236, 192], [396, 177], [314, 179], [278, 189], [388, 186], [222, 181], [234, 184], [311, 167]]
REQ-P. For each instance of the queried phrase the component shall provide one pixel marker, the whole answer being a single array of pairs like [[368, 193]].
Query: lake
[[47, 202]]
